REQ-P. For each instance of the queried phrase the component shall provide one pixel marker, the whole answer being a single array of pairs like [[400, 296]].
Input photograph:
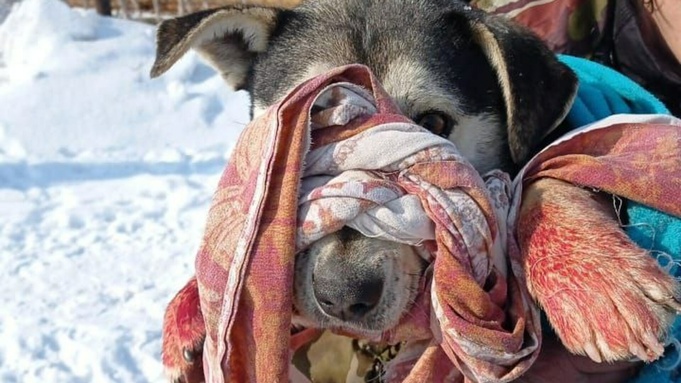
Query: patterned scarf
[[336, 151], [361, 162]]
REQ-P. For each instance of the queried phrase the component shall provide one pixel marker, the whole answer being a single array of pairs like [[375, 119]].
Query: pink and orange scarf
[[336, 151]]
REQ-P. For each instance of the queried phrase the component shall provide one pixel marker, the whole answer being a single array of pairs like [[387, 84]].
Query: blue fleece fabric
[[660, 232], [603, 92]]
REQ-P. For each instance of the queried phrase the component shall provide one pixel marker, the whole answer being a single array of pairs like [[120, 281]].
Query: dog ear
[[228, 38], [538, 90]]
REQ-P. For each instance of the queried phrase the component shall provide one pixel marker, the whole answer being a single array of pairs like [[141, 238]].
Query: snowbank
[[105, 181], [77, 88]]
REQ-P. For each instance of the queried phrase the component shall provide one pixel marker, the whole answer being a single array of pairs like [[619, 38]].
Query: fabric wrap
[[336, 151], [636, 157], [365, 165]]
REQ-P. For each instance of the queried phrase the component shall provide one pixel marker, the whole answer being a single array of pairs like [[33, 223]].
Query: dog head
[[488, 85]]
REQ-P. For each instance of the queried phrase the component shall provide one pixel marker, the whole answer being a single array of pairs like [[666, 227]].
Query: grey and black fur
[[488, 85]]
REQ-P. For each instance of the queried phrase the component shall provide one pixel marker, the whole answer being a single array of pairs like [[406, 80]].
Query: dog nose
[[347, 300]]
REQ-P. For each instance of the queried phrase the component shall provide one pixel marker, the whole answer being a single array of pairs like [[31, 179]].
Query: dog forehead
[[417, 88], [370, 27], [413, 86], [405, 12], [409, 57]]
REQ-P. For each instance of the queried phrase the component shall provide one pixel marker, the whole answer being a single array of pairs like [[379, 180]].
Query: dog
[[491, 87]]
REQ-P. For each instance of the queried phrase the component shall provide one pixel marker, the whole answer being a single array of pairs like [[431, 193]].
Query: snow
[[105, 181]]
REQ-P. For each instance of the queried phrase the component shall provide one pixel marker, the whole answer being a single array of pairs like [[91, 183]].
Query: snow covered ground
[[105, 181]]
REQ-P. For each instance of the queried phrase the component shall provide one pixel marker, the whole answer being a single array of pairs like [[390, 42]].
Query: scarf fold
[[633, 156]]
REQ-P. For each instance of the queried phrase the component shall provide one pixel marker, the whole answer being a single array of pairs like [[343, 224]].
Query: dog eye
[[188, 355], [436, 122]]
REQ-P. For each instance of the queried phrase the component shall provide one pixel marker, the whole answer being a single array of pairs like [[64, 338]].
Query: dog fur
[[609, 299]]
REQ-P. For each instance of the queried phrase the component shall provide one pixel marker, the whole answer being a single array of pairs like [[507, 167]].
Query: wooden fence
[[155, 10]]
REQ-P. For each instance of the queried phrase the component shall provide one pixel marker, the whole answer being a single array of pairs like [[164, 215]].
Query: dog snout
[[348, 299], [347, 280]]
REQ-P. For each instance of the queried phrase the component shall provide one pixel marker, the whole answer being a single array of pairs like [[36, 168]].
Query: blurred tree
[[103, 7]]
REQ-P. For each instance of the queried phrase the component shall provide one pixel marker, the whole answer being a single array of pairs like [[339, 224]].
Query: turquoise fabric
[[603, 92], [660, 232]]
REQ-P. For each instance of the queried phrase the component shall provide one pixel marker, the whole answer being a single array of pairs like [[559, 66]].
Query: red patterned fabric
[[304, 169], [477, 315]]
